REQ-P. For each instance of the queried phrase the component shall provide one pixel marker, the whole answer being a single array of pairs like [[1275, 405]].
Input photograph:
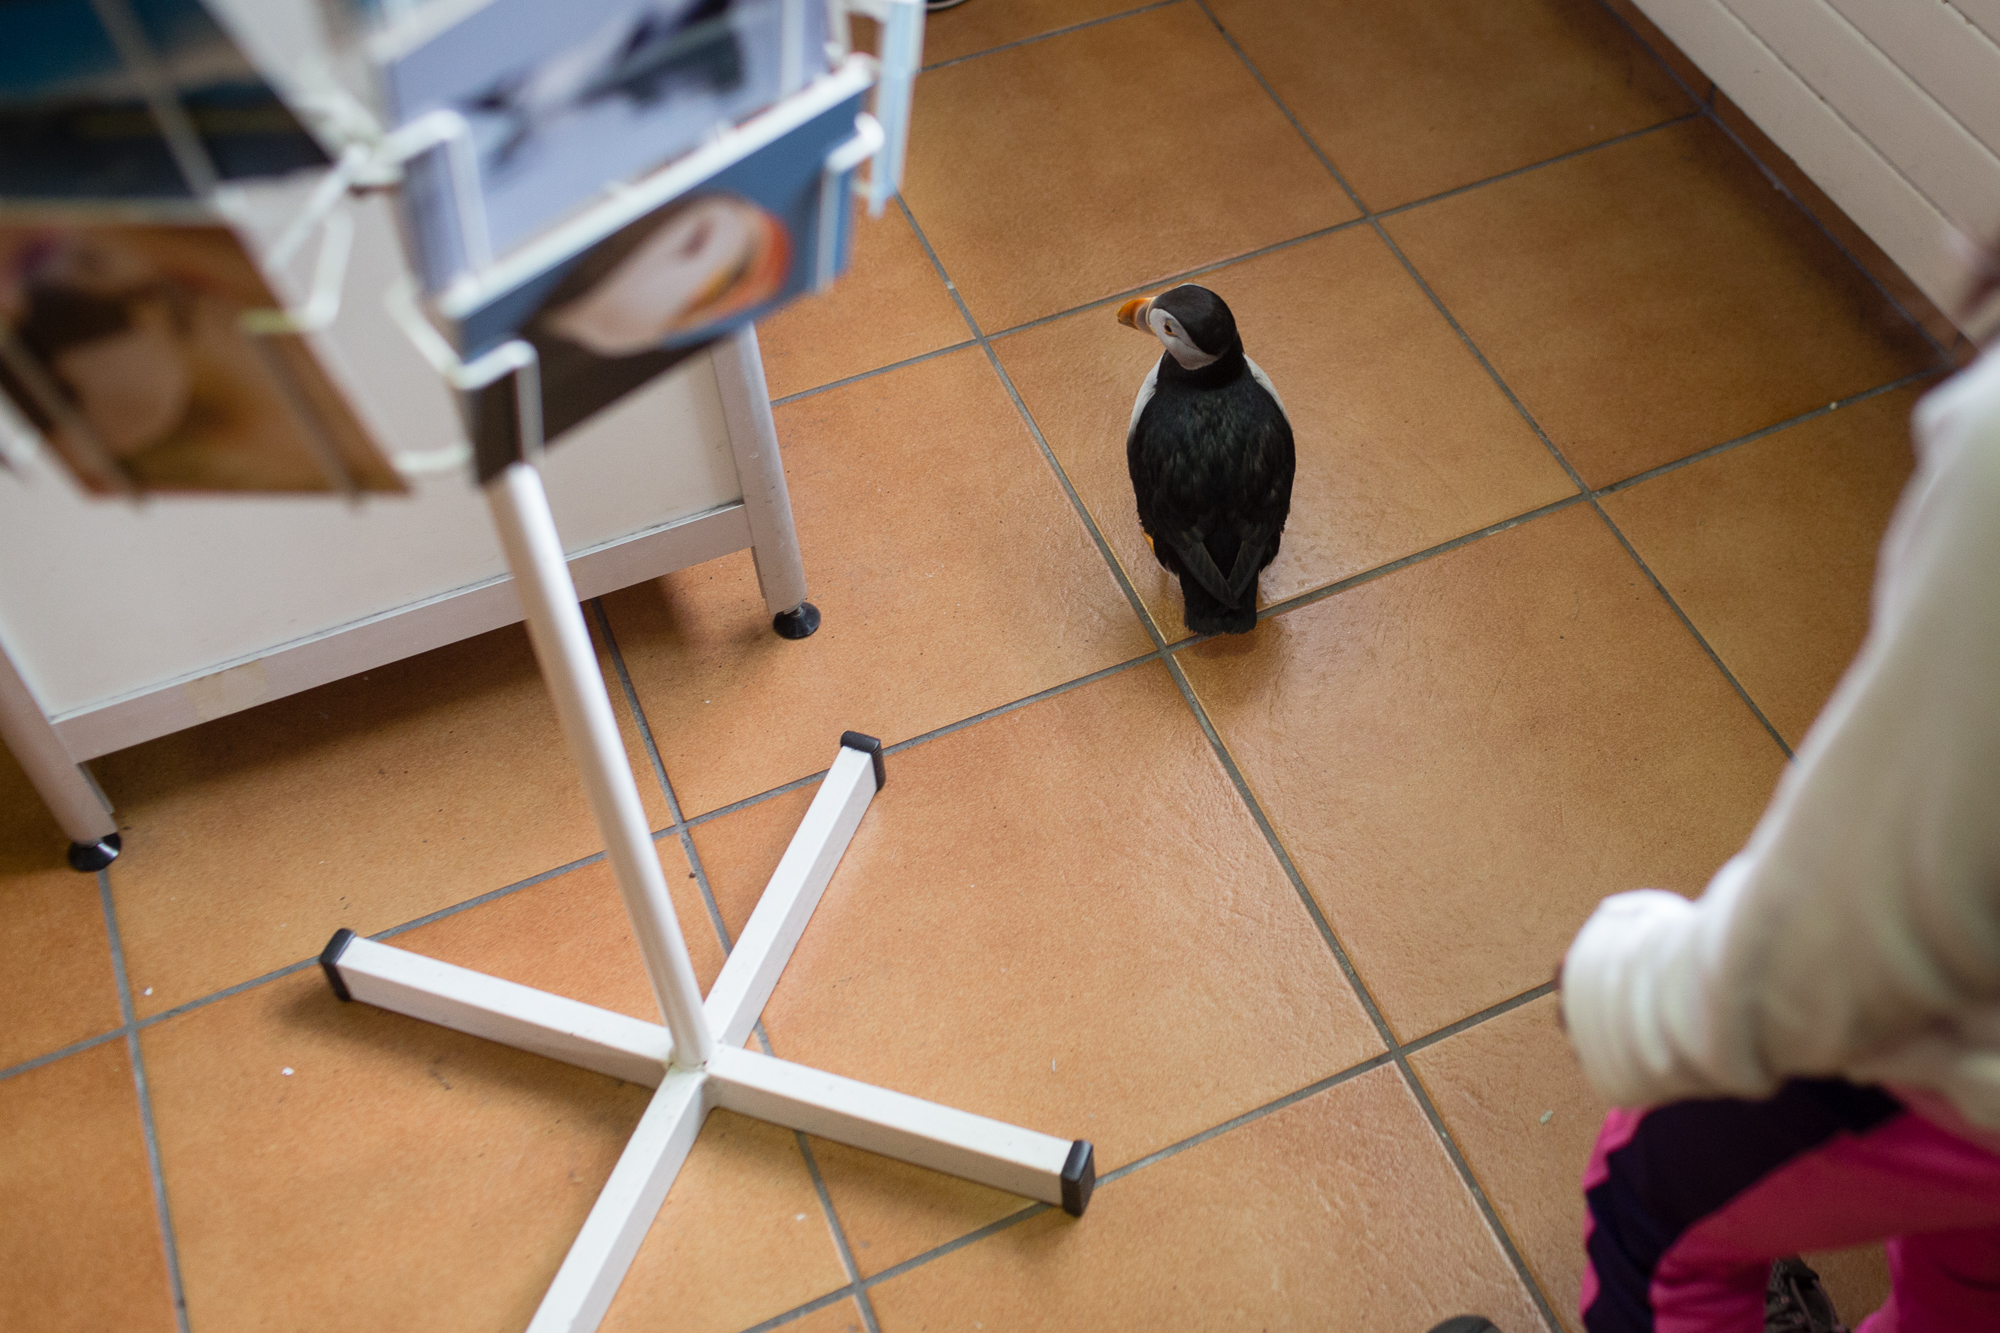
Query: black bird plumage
[[1211, 456]]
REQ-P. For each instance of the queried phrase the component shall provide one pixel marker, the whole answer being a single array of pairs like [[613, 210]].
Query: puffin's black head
[[1192, 321]]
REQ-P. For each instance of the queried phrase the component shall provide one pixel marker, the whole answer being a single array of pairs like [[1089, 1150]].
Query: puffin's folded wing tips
[[1196, 559], [1243, 576]]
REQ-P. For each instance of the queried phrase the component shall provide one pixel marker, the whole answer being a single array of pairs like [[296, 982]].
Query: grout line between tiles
[[130, 1031], [1613, 141], [1755, 435], [935, 733], [813, 1306], [1410, 1080], [1709, 113], [1275, 246], [905, 363], [1035, 432], [972, 1237], [203, 1001], [492, 895], [1173, 279], [1470, 1021], [1507, 389], [834, 1226], [1053, 32], [1255, 1113], [679, 825], [1320, 594], [855, 1287], [74, 1048], [506, 890], [1674, 605], [1479, 1197], [1221, 751]]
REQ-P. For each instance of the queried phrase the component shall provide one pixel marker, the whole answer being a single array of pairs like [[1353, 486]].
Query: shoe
[[1795, 1302], [1467, 1323], [933, 6]]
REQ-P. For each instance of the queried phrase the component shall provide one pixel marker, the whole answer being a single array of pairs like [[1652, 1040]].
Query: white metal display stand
[[696, 1060]]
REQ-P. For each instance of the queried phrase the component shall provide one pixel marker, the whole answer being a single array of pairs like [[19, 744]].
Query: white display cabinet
[[126, 621]]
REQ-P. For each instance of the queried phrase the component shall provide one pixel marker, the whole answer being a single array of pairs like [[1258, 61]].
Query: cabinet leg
[[91, 857], [797, 623], [79, 808]]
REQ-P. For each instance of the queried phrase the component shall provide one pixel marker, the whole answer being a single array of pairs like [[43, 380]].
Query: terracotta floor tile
[[1857, 1280], [1411, 100], [968, 29], [61, 987], [1341, 1211], [1493, 1084], [1062, 917], [1476, 749], [742, 1237], [889, 307], [364, 803], [840, 1317], [1770, 547], [569, 935], [1404, 441], [1041, 174], [952, 571], [79, 1233], [453, 1171], [1900, 286], [1672, 56], [1654, 298]]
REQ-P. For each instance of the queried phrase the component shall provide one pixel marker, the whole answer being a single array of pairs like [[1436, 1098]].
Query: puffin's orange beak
[[1133, 313]]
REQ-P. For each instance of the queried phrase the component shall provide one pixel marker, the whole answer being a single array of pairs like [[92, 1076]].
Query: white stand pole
[[695, 1061]]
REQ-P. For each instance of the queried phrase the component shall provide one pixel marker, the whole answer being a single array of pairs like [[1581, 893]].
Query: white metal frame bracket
[[694, 1060]]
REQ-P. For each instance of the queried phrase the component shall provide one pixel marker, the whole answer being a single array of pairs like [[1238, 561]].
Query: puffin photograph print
[[1211, 457]]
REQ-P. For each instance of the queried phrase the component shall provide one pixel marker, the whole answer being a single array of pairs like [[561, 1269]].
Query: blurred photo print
[[75, 121], [123, 345], [628, 291], [565, 101], [637, 304]]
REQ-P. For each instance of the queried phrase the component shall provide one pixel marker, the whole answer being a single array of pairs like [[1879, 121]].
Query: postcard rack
[[695, 1059]]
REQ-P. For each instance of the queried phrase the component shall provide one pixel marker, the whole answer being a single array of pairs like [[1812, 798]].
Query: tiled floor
[[1598, 432]]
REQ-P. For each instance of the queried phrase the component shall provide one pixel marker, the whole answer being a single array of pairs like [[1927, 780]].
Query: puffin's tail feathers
[[1206, 614], [1219, 603]]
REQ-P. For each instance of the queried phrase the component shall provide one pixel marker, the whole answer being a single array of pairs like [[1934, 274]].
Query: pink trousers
[[1690, 1202]]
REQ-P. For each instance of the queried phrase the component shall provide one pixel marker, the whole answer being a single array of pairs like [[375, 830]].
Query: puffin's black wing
[[1212, 471]]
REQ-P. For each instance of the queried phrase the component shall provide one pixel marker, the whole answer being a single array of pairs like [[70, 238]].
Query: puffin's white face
[[1169, 331]]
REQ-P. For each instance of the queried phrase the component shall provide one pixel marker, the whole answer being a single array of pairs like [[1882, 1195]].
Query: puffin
[[1210, 451]]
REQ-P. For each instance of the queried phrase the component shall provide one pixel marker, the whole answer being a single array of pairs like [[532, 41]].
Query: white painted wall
[[1891, 106]]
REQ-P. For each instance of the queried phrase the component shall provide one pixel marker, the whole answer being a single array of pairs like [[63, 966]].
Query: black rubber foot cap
[[91, 857], [1467, 1323], [797, 623], [1079, 1177], [329, 957], [868, 745]]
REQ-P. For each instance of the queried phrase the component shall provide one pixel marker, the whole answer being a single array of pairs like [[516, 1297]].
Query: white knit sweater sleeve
[[1858, 933]]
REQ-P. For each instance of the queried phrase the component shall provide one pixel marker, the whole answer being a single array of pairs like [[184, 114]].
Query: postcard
[[75, 122], [123, 345], [631, 290], [564, 101]]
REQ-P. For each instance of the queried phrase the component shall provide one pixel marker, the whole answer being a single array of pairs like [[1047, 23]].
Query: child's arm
[[1862, 921]]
